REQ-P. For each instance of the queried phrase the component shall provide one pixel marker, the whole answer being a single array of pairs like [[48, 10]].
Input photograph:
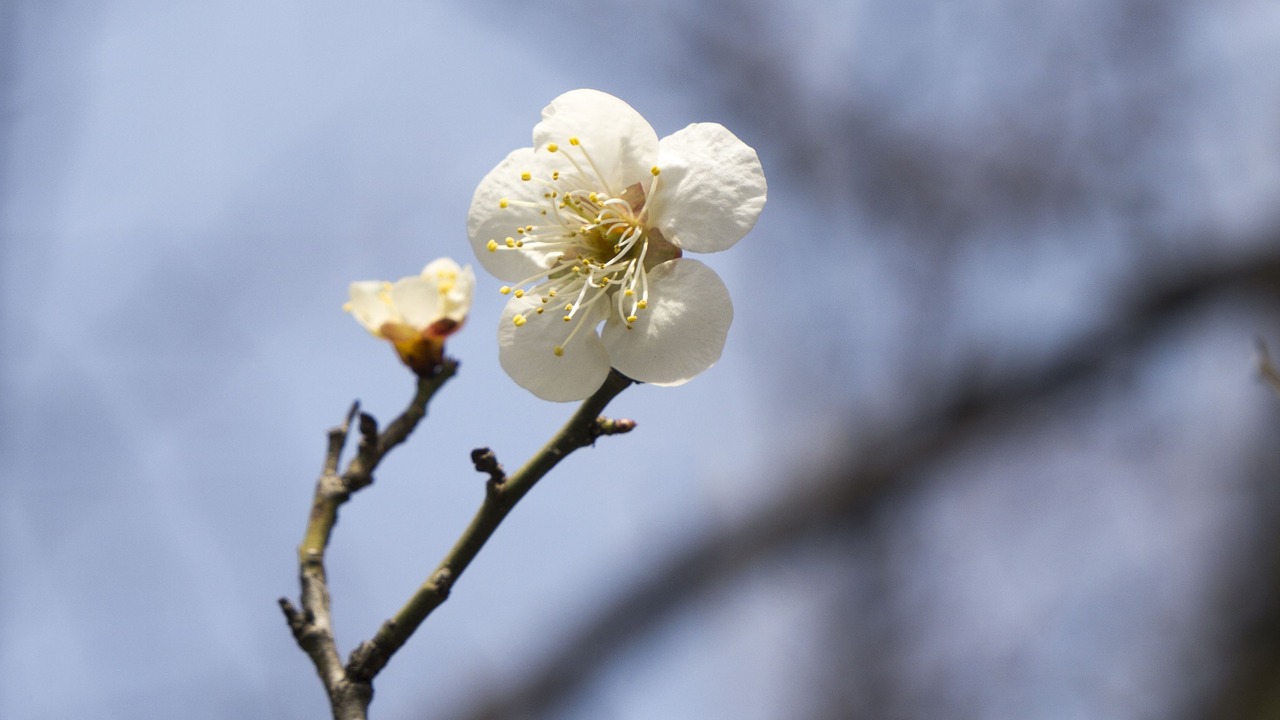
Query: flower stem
[[502, 492]]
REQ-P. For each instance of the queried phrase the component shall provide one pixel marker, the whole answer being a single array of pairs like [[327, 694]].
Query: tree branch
[[852, 487], [312, 626], [502, 492]]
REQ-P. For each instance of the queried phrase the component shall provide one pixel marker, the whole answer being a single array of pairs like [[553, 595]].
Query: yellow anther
[[505, 290], [540, 310], [519, 243], [574, 141], [567, 318], [493, 245], [593, 197], [631, 318], [655, 170], [519, 293], [553, 147], [559, 351], [519, 320], [551, 293], [628, 292], [525, 176], [568, 307], [511, 242], [503, 203], [555, 175], [642, 304]]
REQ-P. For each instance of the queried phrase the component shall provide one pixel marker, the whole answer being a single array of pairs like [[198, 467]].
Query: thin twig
[[501, 494], [312, 625]]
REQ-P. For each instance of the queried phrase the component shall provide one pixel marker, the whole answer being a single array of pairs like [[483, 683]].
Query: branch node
[[606, 426], [366, 660], [368, 430], [293, 616], [443, 582], [486, 462]]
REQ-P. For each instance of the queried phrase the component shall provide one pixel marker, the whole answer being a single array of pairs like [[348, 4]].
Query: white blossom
[[416, 313], [590, 226]]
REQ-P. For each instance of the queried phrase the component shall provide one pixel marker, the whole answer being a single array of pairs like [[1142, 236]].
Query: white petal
[[488, 220], [682, 331], [442, 269], [711, 189], [418, 300], [527, 353], [620, 143], [368, 307], [458, 299], [455, 285]]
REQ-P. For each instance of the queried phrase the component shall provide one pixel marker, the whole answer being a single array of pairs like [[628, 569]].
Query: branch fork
[[350, 686]]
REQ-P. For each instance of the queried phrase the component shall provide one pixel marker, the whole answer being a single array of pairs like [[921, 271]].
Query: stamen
[[592, 163]]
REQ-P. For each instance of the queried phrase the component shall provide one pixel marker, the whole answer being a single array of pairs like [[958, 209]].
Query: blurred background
[[987, 440]]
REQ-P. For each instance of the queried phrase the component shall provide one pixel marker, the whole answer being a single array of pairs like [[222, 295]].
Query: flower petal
[[369, 307], [711, 189], [682, 331], [616, 146], [528, 355], [455, 284], [488, 220], [418, 300]]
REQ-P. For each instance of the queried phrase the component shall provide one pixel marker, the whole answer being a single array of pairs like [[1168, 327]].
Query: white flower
[[416, 313], [590, 225]]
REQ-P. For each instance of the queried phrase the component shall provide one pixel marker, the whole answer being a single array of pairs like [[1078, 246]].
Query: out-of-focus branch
[[502, 492], [312, 626], [852, 487], [1267, 368]]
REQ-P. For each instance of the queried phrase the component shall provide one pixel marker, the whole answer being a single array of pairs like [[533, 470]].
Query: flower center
[[593, 240]]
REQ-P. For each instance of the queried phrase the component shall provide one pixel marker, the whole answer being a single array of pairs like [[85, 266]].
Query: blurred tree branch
[[1267, 368], [852, 487]]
